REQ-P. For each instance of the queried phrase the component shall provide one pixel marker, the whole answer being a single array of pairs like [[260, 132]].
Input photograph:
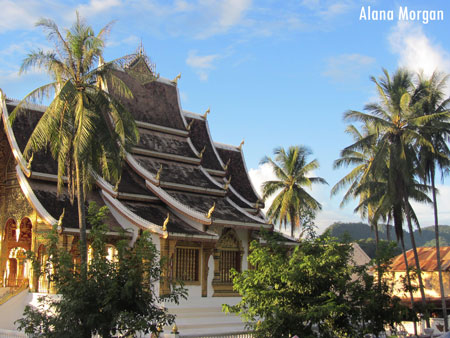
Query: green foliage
[[311, 287], [85, 129], [292, 201], [116, 297]]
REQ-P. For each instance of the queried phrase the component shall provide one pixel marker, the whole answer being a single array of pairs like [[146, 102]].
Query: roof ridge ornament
[[227, 165], [189, 126], [240, 145], [116, 186], [200, 154], [166, 221], [206, 113], [175, 80], [60, 220], [139, 66], [227, 183], [210, 211], [158, 173], [30, 160]]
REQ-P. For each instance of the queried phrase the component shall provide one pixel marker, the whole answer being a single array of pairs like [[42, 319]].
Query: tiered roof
[[176, 172]]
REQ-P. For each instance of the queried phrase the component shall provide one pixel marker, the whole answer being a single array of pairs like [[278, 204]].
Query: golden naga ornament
[[158, 174], [206, 113], [30, 160], [227, 164], [210, 211], [175, 80], [189, 126], [59, 227], [200, 154], [166, 221], [242, 143]]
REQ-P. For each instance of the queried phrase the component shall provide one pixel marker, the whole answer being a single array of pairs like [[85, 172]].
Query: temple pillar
[[207, 252]]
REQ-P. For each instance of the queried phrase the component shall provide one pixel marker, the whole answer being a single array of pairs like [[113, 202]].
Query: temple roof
[[176, 168], [427, 259]]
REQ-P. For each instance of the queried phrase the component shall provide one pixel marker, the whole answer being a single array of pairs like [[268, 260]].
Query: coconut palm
[[291, 169], [434, 101], [361, 158], [86, 129], [398, 131]]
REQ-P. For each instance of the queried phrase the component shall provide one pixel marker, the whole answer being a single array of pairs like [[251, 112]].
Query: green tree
[[310, 289], [291, 169], [85, 128], [436, 132], [398, 130], [117, 297], [362, 160]]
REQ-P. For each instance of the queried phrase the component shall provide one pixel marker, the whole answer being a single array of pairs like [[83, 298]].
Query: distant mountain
[[363, 234]]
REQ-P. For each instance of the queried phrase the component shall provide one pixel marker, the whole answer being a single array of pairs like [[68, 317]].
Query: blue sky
[[277, 73]]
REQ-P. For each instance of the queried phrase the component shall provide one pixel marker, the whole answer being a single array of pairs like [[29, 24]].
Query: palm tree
[[86, 129], [398, 130], [291, 169], [362, 158], [434, 101]]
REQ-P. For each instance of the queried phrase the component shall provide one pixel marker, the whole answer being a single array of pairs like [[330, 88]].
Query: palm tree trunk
[[388, 230], [438, 254], [377, 258], [416, 258], [81, 220], [408, 280]]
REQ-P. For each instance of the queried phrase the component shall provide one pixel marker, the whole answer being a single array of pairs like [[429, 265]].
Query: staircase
[[206, 318]]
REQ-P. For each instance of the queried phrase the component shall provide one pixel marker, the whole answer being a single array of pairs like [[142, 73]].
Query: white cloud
[[14, 15], [347, 67], [222, 15], [335, 9], [260, 175], [417, 51], [95, 7], [201, 64]]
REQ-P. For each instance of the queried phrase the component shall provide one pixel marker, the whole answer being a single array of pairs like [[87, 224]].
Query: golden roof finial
[[158, 174], [166, 221], [175, 328], [206, 113], [189, 126], [227, 164], [175, 80], [242, 143], [141, 51], [30, 160], [209, 214], [200, 154]]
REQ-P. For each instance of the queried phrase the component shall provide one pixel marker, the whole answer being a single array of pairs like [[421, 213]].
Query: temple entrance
[[18, 242], [17, 268]]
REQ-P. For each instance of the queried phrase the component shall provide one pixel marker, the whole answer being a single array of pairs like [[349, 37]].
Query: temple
[[193, 194]]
